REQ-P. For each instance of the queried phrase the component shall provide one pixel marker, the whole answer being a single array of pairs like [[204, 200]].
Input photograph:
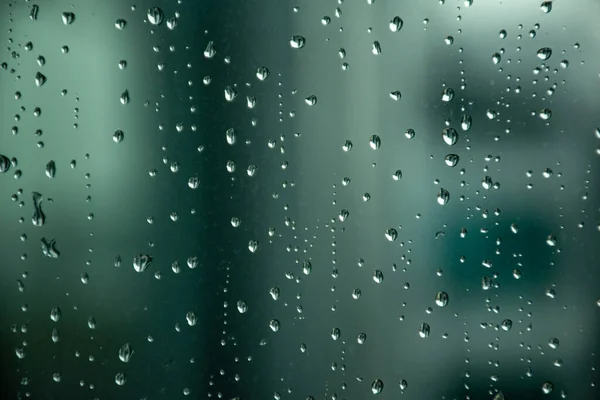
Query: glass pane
[[305, 199]]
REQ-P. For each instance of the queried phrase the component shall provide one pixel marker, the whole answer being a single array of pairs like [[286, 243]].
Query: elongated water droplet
[[441, 299], [210, 51], [546, 6], [377, 386], [118, 136], [443, 197], [40, 79], [447, 95], [262, 73], [391, 234], [55, 314], [424, 330], [51, 169], [376, 50], [125, 353], [49, 248], [465, 122], [33, 14], [375, 142], [4, 163], [38, 218], [124, 97]]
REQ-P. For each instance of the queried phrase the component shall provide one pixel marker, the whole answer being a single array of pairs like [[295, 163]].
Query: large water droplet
[[40, 79], [544, 53], [38, 218], [297, 42], [155, 15], [375, 142], [447, 95], [377, 386], [546, 6], [424, 330], [51, 169], [443, 197], [125, 353], [68, 18], [141, 262], [396, 24], [441, 299], [450, 136], [210, 51]]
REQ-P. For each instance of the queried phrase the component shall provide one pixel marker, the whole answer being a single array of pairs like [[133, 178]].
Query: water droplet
[[253, 246], [193, 182], [230, 93], [396, 95], [120, 23], [274, 325], [262, 73], [4, 164], [465, 122], [191, 318], [361, 338], [125, 353], [311, 100], [451, 160], [251, 170], [447, 95], [403, 384], [38, 218], [68, 18], [391, 234], [118, 136], [141, 262], [396, 24], [49, 248], [547, 387], [34, 12], [51, 169], [554, 343], [344, 214], [375, 142], [210, 51], [496, 58], [545, 114], [297, 42], [397, 175], [441, 299], [55, 314], [347, 146], [544, 53], [546, 6], [155, 15], [40, 79], [551, 240], [377, 386], [120, 379], [378, 276], [171, 23], [409, 133], [443, 196], [450, 136], [424, 330], [449, 40], [376, 49], [274, 292], [124, 97], [242, 307], [502, 34]]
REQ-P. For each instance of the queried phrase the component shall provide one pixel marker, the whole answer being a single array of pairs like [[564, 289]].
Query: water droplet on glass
[[377, 386], [506, 325], [51, 169], [441, 299], [311, 100], [171, 23], [124, 97], [391, 234], [397, 175], [396, 24], [545, 114], [424, 330], [546, 6], [49, 248], [553, 343], [120, 379], [378, 276], [409, 133], [230, 93], [38, 218], [125, 353], [118, 136], [242, 307], [347, 146], [141, 262], [55, 314], [403, 384], [396, 95], [376, 49], [274, 325], [210, 51], [297, 42], [191, 318], [502, 34], [4, 163], [544, 53], [253, 246], [443, 197], [193, 182], [262, 73], [375, 142], [68, 18], [496, 58], [447, 95], [120, 23], [40, 79], [451, 160], [547, 387], [155, 15], [450, 136]]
